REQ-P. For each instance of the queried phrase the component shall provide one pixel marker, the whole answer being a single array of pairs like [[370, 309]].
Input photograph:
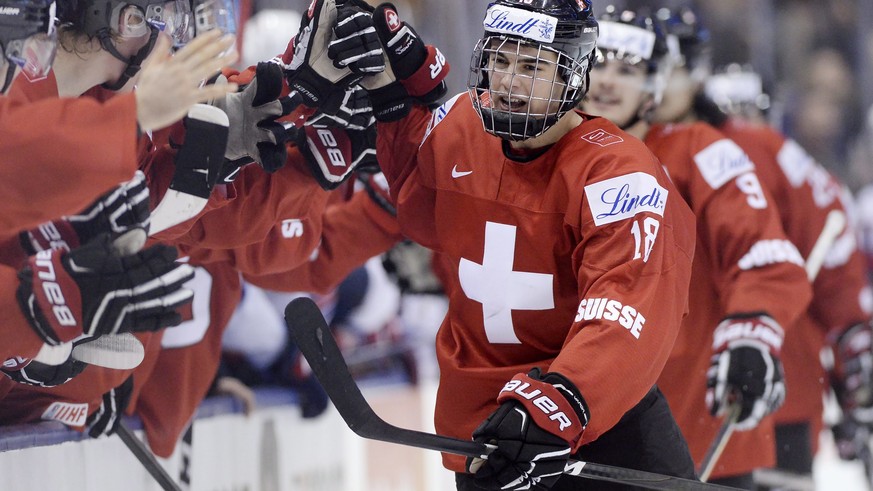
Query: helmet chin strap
[[10, 74], [134, 63]]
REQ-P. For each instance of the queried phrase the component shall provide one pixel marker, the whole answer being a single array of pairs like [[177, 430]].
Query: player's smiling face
[[618, 90], [524, 79]]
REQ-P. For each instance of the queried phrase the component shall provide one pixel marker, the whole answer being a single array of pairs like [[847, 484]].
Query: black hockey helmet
[[694, 43], [636, 36], [27, 37], [565, 27], [737, 89]]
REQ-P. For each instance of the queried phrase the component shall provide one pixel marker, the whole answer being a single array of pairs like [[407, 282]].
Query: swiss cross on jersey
[[499, 288]]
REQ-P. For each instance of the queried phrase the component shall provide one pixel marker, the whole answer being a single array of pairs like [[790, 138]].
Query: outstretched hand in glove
[[255, 135], [415, 71], [124, 208], [95, 290], [538, 425], [334, 48]]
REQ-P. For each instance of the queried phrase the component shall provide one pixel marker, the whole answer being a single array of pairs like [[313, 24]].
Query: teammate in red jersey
[[57, 134], [744, 265], [839, 316], [568, 255], [287, 209]]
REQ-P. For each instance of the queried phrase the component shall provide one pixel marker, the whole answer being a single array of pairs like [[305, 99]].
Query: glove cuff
[[748, 329], [427, 83], [556, 408], [57, 234], [327, 152], [29, 306]]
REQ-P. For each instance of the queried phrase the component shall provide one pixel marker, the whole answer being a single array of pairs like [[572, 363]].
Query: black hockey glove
[[745, 368], [334, 153], [94, 291], [415, 71], [852, 375], [329, 56], [255, 135], [124, 208], [852, 439], [536, 428], [355, 112], [43, 374], [105, 420]]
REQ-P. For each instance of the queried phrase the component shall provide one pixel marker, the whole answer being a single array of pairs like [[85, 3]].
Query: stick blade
[[313, 337]]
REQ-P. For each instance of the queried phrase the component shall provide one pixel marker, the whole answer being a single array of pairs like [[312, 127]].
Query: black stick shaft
[[146, 458]]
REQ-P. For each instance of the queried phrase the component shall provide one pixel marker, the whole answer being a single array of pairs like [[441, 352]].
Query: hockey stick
[[197, 166], [314, 339], [720, 441], [146, 458], [833, 227]]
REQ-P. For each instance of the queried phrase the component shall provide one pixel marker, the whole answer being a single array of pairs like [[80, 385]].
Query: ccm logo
[[45, 270], [542, 402]]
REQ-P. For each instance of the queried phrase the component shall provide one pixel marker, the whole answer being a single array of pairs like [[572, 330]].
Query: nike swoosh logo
[[456, 173]]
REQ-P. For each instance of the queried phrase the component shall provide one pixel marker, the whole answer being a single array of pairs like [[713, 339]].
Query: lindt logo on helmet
[[518, 22]]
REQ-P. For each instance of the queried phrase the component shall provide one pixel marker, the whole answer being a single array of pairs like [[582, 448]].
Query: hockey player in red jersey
[[64, 184], [567, 251], [287, 209], [60, 133], [839, 316], [744, 265]]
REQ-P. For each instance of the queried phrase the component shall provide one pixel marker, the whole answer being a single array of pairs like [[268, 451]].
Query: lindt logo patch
[[392, 20]]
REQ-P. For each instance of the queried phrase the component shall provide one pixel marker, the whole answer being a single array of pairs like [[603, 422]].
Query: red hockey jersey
[[806, 193], [58, 155], [577, 261], [744, 263]]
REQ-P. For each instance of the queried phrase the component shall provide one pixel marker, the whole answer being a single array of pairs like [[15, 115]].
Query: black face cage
[[565, 87]]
